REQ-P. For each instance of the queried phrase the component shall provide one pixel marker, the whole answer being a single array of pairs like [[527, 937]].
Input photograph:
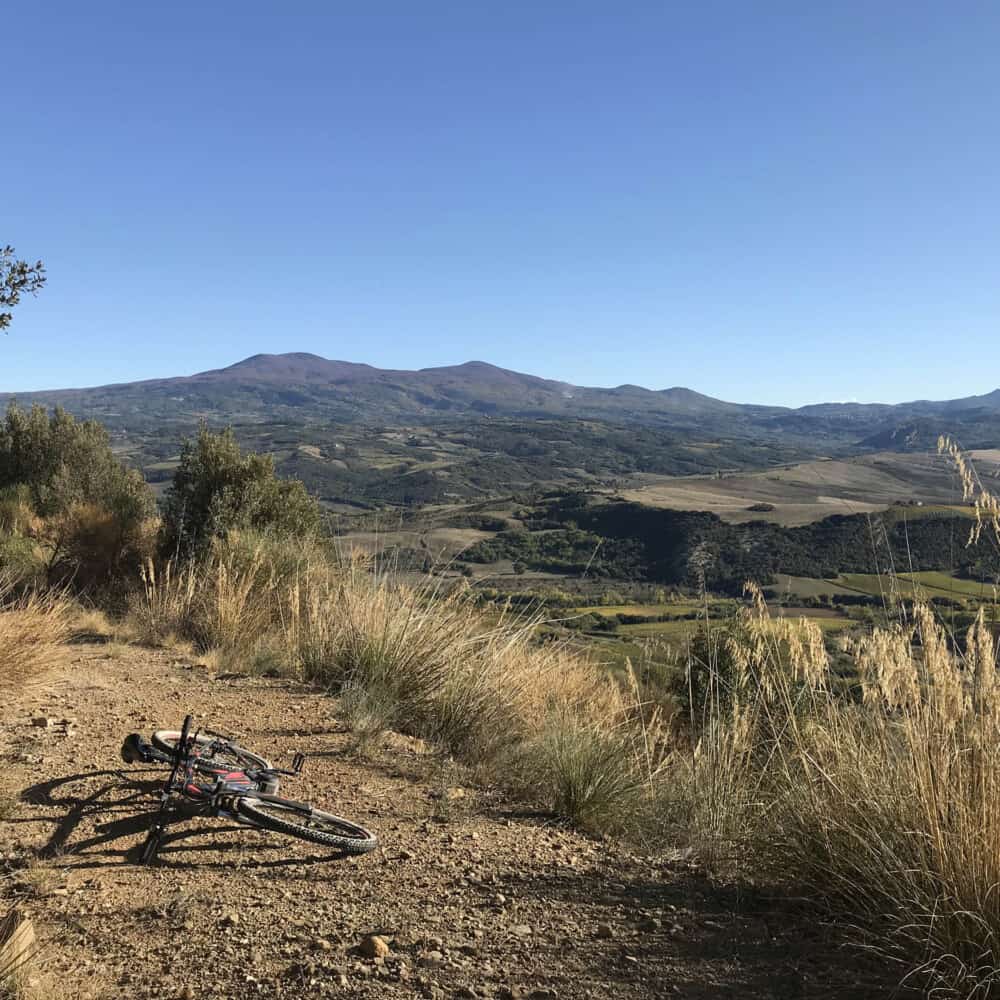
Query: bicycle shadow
[[101, 827]]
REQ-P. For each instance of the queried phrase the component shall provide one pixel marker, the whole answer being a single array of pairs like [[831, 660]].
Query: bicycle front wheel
[[300, 820]]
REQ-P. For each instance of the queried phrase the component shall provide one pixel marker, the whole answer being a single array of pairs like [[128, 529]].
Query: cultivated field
[[810, 491]]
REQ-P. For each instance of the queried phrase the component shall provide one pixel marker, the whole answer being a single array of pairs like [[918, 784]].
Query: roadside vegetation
[[34, 627], [862, 769]]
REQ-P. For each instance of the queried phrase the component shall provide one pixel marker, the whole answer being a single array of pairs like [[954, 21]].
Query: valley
[[462, 585], [537, 488]]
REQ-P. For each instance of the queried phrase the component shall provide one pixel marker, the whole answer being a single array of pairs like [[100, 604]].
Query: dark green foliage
[[562, 551], [61, 461], [706, 683], [698, 549], [16, 278], [216, 489], [88, 509]]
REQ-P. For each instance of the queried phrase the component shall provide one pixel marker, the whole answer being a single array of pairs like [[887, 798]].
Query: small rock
[[650, 925], [374, 946], [452, 794], [466, 993], [186, 994], [230, 918], [604, 931], [43, 722], [521, 930]]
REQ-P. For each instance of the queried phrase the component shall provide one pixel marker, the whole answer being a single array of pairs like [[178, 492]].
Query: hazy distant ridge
[[306, 387]]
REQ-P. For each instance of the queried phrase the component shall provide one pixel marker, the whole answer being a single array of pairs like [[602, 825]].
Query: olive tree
[[216, 489], [17, 277]]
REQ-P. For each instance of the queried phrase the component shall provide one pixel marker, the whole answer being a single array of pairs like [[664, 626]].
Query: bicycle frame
[[214, 799]]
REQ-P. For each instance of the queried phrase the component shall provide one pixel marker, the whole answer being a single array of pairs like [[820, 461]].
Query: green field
[[676, 609], [928, 584], [679, 629], [660, 630]]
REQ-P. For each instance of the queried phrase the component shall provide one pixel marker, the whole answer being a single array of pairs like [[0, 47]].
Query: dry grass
[[17, 948], [41, 877], [94, 623], [416, 659], [434, 665], [8, 806], [33, 629], [888, 806]]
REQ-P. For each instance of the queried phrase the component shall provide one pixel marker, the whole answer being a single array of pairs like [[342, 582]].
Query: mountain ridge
[[315, 369], [302, 388]]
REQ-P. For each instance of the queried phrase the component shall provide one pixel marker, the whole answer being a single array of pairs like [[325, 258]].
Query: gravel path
[[472, 897]]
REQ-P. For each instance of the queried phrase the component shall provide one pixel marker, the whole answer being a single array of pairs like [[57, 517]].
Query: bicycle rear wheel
[[300, 820], [228, 755]]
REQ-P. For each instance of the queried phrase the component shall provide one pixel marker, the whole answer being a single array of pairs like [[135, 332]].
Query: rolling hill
[[305, 387], [354, 432]]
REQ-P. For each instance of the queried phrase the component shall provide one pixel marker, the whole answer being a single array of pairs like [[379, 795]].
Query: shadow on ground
[[714, 938], [102, 818]]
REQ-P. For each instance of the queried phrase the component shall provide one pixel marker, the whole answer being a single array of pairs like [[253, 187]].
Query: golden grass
[[17, 949], [888, 806], [33, 629], [437, 666], [416, 659]]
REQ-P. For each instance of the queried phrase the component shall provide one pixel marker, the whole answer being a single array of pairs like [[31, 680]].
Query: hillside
[[358, 434], [304, 388], [309, 387], [476, 898]]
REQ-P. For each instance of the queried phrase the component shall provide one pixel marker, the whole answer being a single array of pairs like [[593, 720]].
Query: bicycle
[[220, 778]]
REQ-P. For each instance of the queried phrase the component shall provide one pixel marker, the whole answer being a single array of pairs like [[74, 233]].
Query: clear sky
[[767, 202]]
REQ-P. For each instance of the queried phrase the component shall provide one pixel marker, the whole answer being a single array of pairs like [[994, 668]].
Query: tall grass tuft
[[422, 660], [887, 804], [33, 628]]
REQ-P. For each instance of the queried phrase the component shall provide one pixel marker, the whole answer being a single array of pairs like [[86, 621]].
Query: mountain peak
[[296, 366]]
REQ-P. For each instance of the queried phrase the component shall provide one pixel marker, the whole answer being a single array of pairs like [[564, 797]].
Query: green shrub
[[62, 487], [21, 561], [216, 489], [589, 772]]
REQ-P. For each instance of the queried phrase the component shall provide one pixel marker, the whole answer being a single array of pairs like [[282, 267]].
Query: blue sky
[[769, 202]]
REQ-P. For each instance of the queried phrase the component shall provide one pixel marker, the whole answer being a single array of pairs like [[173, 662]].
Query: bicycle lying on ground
[[218, 777]]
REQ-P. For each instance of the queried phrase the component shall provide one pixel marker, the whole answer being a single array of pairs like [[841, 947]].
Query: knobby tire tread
[[362, 843]]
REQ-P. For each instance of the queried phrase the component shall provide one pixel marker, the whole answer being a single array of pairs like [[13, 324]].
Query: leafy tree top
[[216, 489], [17, 277], [62, 461]]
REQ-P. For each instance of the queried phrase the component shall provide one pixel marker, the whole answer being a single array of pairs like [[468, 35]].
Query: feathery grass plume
[[887, 807], [165, 605], [986, 504]]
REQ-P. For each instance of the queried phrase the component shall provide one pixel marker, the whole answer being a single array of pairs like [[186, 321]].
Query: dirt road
[[474, 897]]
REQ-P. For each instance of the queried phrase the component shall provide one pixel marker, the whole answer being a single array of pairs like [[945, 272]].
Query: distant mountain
[[305, 388]]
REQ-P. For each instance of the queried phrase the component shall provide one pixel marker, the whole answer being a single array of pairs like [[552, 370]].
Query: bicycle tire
[[236, 757], [292, 818]]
